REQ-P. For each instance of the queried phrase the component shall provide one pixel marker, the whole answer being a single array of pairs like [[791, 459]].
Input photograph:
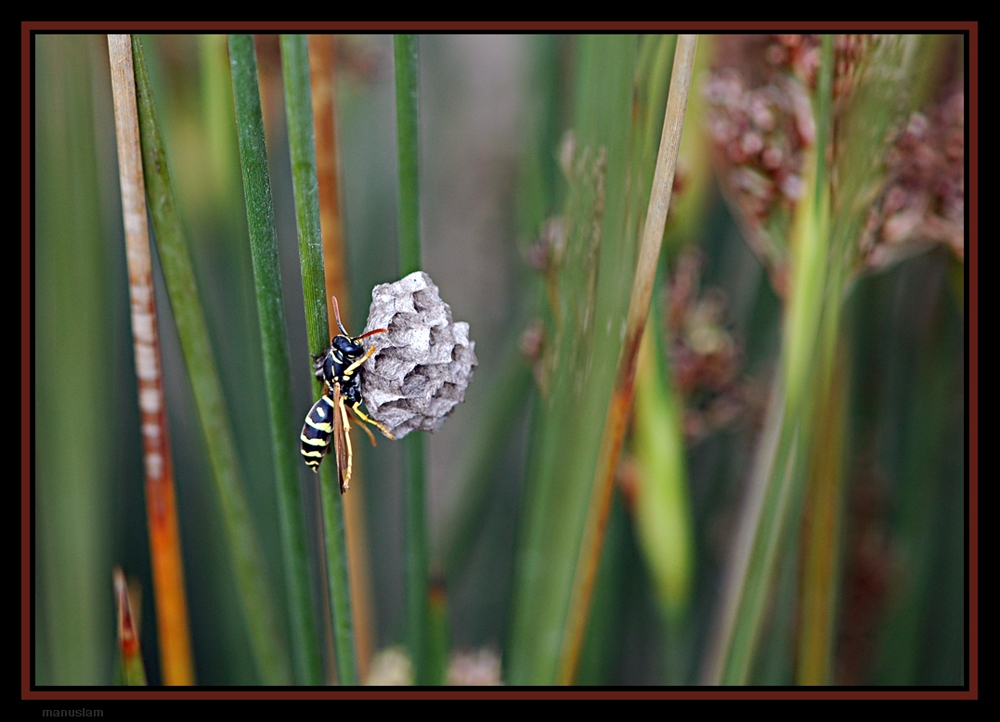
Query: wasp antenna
[[372, 333], [336, 312]]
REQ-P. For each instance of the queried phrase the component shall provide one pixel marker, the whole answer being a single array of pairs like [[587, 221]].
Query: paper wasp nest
[[423, 365]]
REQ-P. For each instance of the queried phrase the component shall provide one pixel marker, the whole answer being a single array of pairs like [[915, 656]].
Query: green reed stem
[[298, 105], [415, 541], [267, 281], [270, 655]]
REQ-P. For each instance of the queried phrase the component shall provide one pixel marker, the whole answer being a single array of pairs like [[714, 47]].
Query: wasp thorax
[[423, 365]]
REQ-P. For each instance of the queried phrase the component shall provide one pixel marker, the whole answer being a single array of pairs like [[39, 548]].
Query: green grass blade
[[415, 544], [185, 300], [590, 288], [568, 420], [892, 77], [822, 521], [921, 640], [406, 50], [73, 309], [776, 484], [270, 308], [298, 105], [840, 186], [651, 238], [663, 509]]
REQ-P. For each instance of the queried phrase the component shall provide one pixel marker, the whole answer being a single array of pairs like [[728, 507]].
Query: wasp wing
[[342, 439]]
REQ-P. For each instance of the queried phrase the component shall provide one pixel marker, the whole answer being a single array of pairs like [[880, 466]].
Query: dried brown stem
[[161, 507]]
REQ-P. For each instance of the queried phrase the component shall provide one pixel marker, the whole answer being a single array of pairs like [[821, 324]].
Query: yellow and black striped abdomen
[[317, 431]]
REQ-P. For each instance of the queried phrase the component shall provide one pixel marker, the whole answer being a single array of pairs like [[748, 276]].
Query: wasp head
[[348, 347]]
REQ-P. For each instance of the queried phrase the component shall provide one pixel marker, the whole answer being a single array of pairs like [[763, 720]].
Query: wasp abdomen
[[316, 432]]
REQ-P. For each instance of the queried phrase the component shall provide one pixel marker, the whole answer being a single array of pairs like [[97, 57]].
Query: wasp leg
[[369, 420], [354, 366], [371, 437]]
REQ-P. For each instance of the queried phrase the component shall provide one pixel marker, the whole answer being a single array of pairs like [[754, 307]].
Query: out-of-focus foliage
[[536, 157]]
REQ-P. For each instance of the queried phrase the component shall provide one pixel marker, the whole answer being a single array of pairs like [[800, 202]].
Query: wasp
[[339, 368]]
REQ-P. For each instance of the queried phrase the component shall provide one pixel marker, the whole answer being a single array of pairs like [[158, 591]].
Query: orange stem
[[161, 507]]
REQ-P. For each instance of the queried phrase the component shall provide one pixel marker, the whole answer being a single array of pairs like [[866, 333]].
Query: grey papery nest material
[[423, 365]]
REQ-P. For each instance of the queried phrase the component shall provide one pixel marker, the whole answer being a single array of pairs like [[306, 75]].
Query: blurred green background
[[496, 165]]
